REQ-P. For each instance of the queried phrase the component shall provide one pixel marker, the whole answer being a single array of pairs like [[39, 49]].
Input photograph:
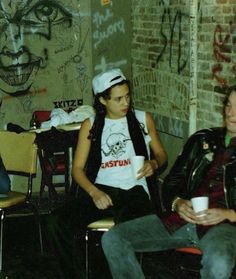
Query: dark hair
[[229, 90], [100, 110]]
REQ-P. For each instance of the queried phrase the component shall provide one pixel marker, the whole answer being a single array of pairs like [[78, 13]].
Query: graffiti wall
[[50, 50], [44, 57], [111, 35], [163, 41]]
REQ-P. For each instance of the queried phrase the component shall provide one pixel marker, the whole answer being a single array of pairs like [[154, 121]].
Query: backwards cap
[[105, 80]]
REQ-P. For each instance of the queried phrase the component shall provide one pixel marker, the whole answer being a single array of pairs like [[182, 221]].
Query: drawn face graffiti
[[26, 26]]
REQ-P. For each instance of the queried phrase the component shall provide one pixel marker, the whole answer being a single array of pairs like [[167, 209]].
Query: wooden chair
[[19, 155]]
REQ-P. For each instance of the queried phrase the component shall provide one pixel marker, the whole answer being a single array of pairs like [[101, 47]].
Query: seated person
[[107, 142], [101, 165], [207, 166]]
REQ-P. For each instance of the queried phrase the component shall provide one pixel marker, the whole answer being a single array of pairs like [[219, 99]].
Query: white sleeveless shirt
[[117, 149]]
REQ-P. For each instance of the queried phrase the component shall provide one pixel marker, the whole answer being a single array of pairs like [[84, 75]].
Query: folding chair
[[19, 155]]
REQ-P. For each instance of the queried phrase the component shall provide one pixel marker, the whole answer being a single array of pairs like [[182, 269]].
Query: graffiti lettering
[[222, 50], [99, 19], [68, 104], [109, 65], [116, 27], [168, 37]]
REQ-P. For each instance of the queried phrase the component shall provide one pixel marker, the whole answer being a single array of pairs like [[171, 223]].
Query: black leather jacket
[[192, 164]]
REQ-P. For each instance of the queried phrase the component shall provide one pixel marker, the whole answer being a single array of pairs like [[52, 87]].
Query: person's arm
[[231, 215], [217, 215], [213, 215], [159, 153], [175, 183], [101, 199]]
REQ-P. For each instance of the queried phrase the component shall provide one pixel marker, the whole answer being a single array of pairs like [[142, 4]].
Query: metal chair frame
[[101, 225], [27, 151]]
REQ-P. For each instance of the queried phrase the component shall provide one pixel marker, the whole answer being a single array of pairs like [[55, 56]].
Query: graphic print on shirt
[[115, 145]]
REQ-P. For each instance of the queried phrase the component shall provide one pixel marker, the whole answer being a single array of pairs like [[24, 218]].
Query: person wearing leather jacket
[[194, 162], [205, 167]]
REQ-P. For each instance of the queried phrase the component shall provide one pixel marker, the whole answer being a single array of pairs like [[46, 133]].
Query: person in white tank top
[[101, 168], [113, 106]]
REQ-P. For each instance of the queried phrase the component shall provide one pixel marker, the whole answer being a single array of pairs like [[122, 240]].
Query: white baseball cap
[[105, 80]]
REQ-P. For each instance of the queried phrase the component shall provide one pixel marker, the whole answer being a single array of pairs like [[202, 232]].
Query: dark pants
[[71, 220]]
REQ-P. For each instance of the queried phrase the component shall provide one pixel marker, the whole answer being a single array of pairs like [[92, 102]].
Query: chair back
[[42, 115], [19, 152]]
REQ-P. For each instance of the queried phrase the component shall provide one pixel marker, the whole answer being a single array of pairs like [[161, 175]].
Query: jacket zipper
[[195, 169], [224, 183]]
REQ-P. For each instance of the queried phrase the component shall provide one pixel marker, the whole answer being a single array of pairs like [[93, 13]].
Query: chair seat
[[191, 250], [13, 198], [102, 224]]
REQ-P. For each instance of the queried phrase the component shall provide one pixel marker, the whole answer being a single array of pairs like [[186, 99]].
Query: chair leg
[[141, 259], [1, 238], [40, 237], [37, 218], [42, 187], [67, 178], [86, 255]]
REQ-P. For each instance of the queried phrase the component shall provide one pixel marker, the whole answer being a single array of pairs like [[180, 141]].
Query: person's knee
[[218, 265], [109, 240]]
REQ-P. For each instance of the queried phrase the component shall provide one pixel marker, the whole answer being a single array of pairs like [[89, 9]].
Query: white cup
[[136, 164], [200, 204]]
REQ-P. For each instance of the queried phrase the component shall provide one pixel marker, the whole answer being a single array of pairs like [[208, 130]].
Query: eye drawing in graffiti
[[25, 27]]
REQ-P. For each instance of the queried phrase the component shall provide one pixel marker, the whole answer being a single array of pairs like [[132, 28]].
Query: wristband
[[174, 202]]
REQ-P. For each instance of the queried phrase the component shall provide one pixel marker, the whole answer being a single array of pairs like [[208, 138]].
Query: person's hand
[[184, 209], [101, 199], [216, 215], [148, 169]]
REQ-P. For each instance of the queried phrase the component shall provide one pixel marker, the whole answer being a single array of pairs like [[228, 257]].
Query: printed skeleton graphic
[[115, 145]]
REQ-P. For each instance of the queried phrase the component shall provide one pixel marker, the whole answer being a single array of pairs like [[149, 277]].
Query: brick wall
[[161, 42]]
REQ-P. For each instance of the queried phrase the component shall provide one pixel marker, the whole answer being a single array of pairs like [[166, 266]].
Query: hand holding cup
[[200, 205], [137, 163]]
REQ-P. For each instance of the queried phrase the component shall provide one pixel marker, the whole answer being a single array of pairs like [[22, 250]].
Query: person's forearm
[[158, 161], [161, 159], [231, 215], [83, 181]]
